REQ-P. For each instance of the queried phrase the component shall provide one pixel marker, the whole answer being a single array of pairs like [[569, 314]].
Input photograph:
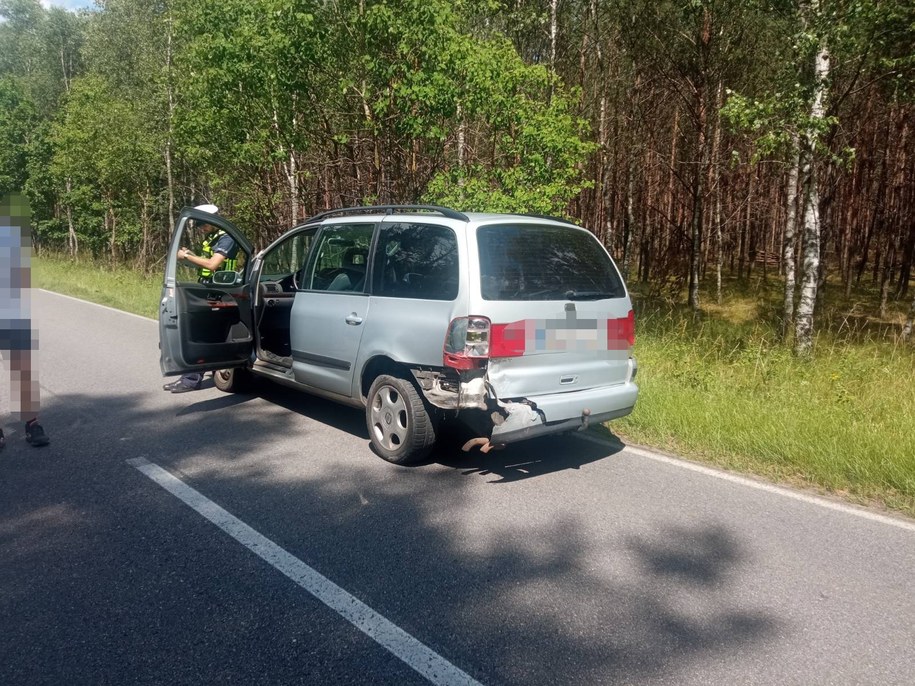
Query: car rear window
[[542, 262]]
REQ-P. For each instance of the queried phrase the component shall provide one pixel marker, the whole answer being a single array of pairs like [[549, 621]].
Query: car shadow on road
[[214, 404], [536, 457], [341, 417]]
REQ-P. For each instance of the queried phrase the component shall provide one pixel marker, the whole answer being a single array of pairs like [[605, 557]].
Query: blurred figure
[[17, 339]]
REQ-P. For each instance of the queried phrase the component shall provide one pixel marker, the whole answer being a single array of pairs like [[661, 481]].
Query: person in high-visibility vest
[[220, 253], [221, 244]]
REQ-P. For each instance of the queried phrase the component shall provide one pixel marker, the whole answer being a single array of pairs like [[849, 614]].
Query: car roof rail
[[552, 218], [390, 209]]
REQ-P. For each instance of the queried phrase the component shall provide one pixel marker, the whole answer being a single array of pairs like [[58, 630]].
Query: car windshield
[[544, 262]]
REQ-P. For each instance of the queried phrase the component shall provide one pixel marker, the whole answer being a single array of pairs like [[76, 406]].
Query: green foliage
[[776, 121], [539, 144], [106, 151], [41, 46], [17, 119]]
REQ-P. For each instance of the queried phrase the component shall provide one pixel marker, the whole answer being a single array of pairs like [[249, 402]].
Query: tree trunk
[[461, 139], [704, 37], [803, 333], [72, 239], [788, 246], [171, 128], [889, 267], [112, 226], [629, 219], [742, 248], [292, 175], [143, 263], [907, 329], [554, 34]]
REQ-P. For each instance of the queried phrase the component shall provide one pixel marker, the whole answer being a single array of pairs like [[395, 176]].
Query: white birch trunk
[[803, 332], [630, 220], [461, 138], [554, 32], [788, 246], [292, 175]]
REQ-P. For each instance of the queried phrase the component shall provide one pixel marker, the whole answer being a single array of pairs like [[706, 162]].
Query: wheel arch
[[378, 365]]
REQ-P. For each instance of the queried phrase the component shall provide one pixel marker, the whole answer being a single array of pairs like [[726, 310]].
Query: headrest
[[355, 258]]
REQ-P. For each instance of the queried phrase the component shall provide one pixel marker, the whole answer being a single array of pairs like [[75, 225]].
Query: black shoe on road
[[34, 434], [171, 386]]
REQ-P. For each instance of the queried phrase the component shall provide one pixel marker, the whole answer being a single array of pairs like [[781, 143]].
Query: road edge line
[[89, 302], [758, 485]]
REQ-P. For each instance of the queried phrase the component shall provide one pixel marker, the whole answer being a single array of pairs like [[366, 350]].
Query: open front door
[[205, 323]]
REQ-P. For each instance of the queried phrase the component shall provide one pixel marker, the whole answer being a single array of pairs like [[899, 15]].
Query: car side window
[[340, 262], [416, 261], [195, 233], [285, 262]]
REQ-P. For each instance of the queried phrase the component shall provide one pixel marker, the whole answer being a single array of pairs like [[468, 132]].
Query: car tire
[[400, 427], [234, 380]]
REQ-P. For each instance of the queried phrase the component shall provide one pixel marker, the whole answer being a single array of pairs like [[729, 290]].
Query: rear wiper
[[589, 295]]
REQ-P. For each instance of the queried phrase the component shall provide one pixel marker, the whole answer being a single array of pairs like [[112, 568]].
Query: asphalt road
[[557, 561]]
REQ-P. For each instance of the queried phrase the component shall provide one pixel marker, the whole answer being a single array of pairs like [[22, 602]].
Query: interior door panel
[[204, 327]]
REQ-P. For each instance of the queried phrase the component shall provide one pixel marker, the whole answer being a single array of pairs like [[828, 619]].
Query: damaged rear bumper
[[518, 419], [560, 412]]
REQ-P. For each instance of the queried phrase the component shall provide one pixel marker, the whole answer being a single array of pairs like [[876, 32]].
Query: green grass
[[120, 287], [720, 388]]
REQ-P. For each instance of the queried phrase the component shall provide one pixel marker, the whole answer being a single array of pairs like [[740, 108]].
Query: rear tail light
[[467, 342], [473, 340], [621, 332]]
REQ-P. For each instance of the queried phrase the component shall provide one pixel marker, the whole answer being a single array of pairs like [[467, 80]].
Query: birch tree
[[803, 332]]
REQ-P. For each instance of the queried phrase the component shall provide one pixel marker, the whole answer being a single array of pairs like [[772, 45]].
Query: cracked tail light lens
[[467, 342]]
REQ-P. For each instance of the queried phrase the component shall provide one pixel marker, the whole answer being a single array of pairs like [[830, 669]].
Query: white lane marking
[[769, 488], [104, 307], [427, 662]]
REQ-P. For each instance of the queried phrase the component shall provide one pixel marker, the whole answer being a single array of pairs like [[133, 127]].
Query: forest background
[[748, 163]]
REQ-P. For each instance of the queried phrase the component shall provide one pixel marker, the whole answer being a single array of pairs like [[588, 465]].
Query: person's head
[[202, 224]]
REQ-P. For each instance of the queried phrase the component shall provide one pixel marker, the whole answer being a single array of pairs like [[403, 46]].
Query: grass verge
[[722, 389], [719, 388], [118, 287]]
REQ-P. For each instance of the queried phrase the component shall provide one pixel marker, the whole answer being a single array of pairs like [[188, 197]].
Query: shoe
[[171, 386], [35, 434], [184, 388]]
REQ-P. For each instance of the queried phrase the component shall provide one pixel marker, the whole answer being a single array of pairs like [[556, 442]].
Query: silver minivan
[[517, 326]]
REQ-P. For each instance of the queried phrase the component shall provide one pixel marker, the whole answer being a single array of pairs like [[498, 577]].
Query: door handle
[[353, 319]]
